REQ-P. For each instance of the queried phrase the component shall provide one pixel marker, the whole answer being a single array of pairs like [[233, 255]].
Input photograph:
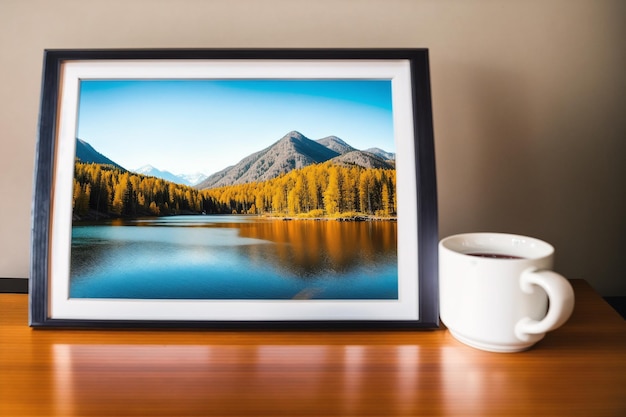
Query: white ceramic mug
[[495, 289]]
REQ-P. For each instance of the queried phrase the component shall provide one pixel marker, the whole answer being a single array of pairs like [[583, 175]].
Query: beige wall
[[529, 101]]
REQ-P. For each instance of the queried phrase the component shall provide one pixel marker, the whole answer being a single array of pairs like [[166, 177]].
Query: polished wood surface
[[577, 370]]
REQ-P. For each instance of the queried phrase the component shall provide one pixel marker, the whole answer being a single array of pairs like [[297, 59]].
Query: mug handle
[[561, 299]]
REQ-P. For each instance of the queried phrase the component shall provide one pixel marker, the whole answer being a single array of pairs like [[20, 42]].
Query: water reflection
[[234, 257], [308, 247]]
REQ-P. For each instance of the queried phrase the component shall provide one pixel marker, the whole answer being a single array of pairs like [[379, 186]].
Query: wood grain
[[578, 370]]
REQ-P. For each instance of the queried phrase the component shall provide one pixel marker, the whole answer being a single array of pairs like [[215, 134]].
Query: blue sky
[[188, 126]]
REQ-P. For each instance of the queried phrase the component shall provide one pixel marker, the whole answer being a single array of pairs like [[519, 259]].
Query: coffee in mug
[[497, 291]]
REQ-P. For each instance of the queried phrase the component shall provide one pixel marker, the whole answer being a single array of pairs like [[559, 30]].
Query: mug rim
[[526, 247]]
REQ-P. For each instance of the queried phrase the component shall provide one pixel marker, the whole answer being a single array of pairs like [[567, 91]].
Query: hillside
[[293, 151], [88, 155], [362, 159], [336, 144]]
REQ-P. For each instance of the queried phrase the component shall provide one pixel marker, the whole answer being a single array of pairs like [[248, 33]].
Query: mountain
[[364, 159], [193, 179], [382, 154], [183, 179], [88, 155], [293, 151], [150, 171], [336, 144]]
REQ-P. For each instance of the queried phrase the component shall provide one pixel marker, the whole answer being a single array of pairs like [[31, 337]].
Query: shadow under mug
[[497, 292]]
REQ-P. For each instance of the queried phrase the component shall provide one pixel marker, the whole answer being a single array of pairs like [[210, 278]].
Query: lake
[[234, 257]]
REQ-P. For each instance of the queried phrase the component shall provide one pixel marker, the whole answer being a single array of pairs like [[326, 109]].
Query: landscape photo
[[236, 189]]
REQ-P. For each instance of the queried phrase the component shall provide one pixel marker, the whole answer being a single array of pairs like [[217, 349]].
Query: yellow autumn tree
[[332, 193]]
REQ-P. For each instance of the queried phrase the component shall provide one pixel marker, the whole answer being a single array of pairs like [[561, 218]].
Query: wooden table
[[578, 370]]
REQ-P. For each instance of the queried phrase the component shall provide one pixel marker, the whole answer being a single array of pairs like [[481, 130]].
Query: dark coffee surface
[[494, 255]]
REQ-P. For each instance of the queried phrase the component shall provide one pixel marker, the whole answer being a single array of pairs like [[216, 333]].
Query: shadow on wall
[[520, 159], [504, 156], [491, 156]]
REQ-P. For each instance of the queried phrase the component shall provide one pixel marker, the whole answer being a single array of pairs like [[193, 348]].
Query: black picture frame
[[49, 171]]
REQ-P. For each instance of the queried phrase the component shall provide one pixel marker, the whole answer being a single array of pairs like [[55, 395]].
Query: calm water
[[234, 257]]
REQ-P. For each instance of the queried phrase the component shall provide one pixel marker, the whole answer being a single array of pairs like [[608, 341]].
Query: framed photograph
[[234, 189]]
